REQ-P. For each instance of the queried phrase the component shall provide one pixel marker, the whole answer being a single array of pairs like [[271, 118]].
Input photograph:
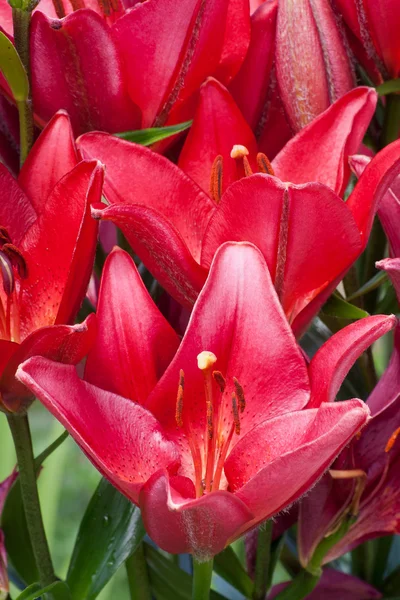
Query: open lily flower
[[47, 245], [369, 470], [205, 438], [116, 68], [294, 224]]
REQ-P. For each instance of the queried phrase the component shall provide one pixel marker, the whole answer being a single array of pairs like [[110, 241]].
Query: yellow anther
[[205, 360]]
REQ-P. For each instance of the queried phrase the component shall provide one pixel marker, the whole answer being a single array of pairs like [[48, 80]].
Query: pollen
[[220, 380], [179, 399], [240, 395], [205, 360], [216, 179], [392, 440]]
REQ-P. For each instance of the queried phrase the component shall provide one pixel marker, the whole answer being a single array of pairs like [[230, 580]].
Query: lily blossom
[[365, 479], [168, 209], [205, 438], [47, 246], [116, 68], [313, 65]]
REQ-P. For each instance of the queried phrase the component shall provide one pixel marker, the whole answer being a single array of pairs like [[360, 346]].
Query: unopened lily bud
[[312, 63]]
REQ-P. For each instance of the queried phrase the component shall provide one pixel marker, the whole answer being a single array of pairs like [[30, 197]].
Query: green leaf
[[167, 580], [13, 70], [147, 137], [340, 309], [389, 87], [59, 591], [369, 286], [229, 567], [13, 523], [111, 529]]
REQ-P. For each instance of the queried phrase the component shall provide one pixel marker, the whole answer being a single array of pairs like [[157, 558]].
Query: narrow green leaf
[[146, 137], [13, 523], [388, 87], [111, 529], [59, 591], [167, 580], [229, 567], [340, 309], [13, 70], [369, 286]]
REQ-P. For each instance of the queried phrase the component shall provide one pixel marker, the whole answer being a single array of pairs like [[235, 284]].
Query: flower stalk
[[262, 560], [202, 574], [19, 426]]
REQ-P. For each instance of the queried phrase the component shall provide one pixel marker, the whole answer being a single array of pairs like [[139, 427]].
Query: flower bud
[[312, 63]]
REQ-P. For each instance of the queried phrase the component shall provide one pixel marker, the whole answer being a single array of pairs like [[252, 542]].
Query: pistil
[[240, 152]]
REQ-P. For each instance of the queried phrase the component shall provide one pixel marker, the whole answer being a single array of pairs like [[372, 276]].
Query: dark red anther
[[7, 274], [220, 380], [235, 412], [17, 259], [240, 395], [264, 165], [216, 179], [282, 246], [4, 236], [179, 399]]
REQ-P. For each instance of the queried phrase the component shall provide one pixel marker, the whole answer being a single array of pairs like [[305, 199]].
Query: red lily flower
[[168, 210], [217, 438], [116, 69], [312, 63], [333, 585], [368, 471], [375, 26], [47, 245], [4, 584]]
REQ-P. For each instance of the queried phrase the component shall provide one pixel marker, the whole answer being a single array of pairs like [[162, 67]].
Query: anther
[[16, 258], [4, 236], [235, 412], [7, 273], [392, 440], [220, 380], [216, 179], [264, 165], [205, 360], [240, 395], [179, 399]]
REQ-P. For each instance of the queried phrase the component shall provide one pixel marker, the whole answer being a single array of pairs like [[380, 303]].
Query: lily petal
[[121, 438], [338, 132], [388, 385], [330, 365], [52, 156], [202, 526], [312, 447], [186, 48], [63, 229], [16, 211], [236, 40], [134, 343], [217, 126]]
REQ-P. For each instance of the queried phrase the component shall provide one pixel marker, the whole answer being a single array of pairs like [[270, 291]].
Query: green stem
[[302, 585], [202, 574], [138, 578], [22, 23], [262, 560], [21, 434]]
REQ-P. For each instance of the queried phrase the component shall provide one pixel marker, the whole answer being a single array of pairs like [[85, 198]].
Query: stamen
[[361, 478], [179, 399], [16, 258], [210, 424], [240, 395], [4, 236], [238, 151], [220, 380], [264, 165], [235, 411], [7, 273], [217, 171], [392, 440]]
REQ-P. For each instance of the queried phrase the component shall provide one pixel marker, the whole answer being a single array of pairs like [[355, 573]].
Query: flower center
[[107, 7], [12, 262], [239, 154], [209, 463]]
